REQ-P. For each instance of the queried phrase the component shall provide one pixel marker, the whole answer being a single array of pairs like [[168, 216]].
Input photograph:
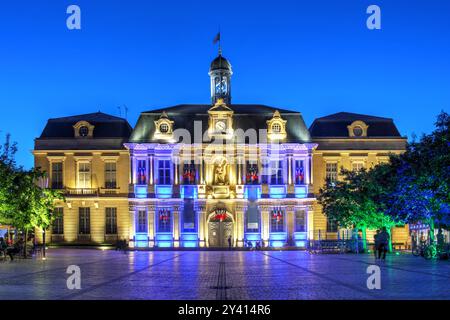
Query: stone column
[[132, 225], [310, 222], [265, 224], [290, 221], [240, 223], [201, 220], [176, 226], [150, 178], [151, 224]]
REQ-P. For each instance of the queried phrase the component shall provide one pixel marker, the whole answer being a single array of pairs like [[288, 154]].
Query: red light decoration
[[164, 215], [277, 214], [220, 214], [252, 175], [299, 175], [189, 175]]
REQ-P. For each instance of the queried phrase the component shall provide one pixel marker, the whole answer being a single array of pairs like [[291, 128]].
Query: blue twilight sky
[[317, 57]]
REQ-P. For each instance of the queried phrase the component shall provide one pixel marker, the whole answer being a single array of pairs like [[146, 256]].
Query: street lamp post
[[44, 185]]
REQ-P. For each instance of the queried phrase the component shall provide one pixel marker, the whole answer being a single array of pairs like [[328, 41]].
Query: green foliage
[[412, 187], [352, 201], [25, 202]]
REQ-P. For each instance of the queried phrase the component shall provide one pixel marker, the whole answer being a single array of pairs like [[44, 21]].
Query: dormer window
[[163, 128], [83, 129], [276, 127], [357, 129]]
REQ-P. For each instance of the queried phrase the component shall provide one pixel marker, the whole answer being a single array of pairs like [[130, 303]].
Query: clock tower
[[220, 73]]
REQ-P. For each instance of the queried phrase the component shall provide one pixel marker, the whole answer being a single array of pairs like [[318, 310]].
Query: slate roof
[[335, 125], [110, 133], [245, 116], [106, 126]]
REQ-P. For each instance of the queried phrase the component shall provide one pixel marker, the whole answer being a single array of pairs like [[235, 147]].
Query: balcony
[[301, 191], [82, 192], [252, 191], [277, 191]]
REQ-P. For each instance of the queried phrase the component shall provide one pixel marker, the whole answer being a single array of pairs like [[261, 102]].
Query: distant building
[[196, 175]]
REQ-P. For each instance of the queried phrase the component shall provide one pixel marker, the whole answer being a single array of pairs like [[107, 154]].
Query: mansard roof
[[335, 126], [109, 132], [106, 126], [245, 116]]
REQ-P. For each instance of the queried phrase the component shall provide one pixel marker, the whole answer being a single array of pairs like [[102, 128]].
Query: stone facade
[[204, 175]]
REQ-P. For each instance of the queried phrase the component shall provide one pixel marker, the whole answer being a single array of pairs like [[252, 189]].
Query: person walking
[[383, 243], [229, 242], [376, 242]]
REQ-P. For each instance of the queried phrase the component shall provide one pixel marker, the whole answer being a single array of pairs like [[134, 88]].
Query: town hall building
[[204, 175]]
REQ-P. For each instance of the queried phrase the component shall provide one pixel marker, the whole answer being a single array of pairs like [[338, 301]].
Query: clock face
[[221, 126]]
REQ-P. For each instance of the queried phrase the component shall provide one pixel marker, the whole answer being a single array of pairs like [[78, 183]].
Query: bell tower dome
[[220, 73]]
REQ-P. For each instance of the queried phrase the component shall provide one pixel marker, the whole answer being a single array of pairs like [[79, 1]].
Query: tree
[[25, 202], [352, 201], [422, 192], [7, 175]]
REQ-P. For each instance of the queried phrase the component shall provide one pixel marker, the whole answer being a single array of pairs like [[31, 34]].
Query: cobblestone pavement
[[210, 275]]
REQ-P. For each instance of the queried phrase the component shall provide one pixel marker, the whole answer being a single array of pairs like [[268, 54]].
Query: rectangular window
[[277, 216], [332, 225], [331, 171], [111, 221], [84, 175], [265, 171], [251, 175], [164, 217], [58, 222], [189, 224], [57, 175], [84, 222], [299, 172], [188, 173], [357, 166], [164, 172], [300, 221], [141, 222], [276, 172], [141, 172], [252, 219], [110, 175]]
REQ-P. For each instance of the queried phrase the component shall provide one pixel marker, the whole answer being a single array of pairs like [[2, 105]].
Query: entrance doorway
[[218, 232]]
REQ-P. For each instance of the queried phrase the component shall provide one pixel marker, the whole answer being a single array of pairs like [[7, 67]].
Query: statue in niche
[[220, 173]]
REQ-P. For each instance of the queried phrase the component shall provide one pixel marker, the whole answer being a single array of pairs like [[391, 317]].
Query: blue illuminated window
[[189, 224], [300, 221], [265, 171], [142, 171], [276, 172], [164, 172], [252, 219], [141, 226], [277, 220], [299, 172], [164, 223]]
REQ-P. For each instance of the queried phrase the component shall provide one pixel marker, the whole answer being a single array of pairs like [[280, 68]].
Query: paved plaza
[[211, 275]]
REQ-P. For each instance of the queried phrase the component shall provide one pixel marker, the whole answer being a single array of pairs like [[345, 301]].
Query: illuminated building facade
[[201, 175]]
